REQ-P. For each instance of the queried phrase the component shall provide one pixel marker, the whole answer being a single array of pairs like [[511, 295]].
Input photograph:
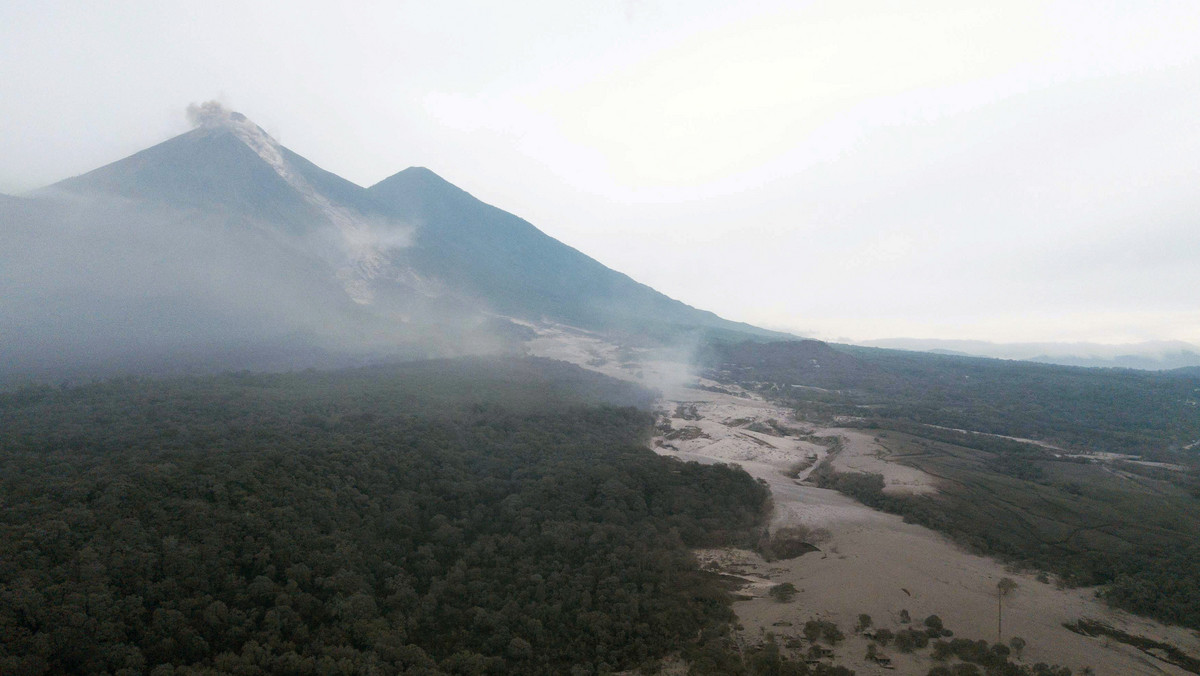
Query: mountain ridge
[[238, 234], [206, 168], [465, 234], [1145, 355], [228, 165]]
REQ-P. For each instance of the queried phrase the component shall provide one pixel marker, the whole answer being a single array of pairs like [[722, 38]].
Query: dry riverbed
[[867, 561]]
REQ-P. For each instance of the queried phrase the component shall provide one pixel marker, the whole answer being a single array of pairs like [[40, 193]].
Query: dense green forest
[[1118, 410], [462, 517]]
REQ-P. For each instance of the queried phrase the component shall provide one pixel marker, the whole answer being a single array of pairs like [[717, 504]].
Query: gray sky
[[1011, 171]]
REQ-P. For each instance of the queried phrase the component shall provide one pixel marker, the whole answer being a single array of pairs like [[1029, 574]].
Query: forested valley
[[456, 517]]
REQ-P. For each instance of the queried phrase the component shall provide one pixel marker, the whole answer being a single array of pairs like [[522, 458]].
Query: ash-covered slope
[[221, 238], [231, 171], [208, 168], [226, 164]]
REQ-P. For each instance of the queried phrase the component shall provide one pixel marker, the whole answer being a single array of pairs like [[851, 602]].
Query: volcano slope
[[222, 249]]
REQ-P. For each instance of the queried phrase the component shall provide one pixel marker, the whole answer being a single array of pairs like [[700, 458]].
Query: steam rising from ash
[[366, 241]]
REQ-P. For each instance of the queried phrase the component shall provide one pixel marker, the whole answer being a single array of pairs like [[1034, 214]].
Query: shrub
[[783, 592]]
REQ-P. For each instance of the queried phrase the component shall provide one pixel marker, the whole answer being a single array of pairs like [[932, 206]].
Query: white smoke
[[366, 242], [211, 114]]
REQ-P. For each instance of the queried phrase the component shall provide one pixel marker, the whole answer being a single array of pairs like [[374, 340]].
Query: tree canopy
[[342, 523]]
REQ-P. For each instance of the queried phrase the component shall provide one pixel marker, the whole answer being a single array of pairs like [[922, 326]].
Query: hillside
[[482, 251], [219, 246]]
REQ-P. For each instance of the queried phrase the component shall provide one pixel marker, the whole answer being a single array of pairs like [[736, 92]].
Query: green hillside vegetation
[[389, 521]]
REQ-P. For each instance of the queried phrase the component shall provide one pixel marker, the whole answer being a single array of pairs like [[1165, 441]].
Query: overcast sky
[[1009, 171]]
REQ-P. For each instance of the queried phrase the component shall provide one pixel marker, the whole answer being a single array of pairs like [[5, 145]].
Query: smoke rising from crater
[[367, 241], [211, 114]]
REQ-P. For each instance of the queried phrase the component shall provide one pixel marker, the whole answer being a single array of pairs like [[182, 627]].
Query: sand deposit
[[870, 562]]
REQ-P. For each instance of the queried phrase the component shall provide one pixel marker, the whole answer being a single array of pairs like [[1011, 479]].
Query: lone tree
[[783, 592], [1003, 588], [934, 626], [1018, 645]]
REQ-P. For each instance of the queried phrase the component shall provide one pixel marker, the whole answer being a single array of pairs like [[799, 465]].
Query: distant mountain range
[[1150, 355], [221, 241]]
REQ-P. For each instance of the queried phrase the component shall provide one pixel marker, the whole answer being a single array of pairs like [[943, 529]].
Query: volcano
[[222, 237]]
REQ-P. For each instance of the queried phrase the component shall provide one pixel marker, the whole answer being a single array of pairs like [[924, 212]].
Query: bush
[[933, 623], [783, 592], [908, 640], [815, 630]]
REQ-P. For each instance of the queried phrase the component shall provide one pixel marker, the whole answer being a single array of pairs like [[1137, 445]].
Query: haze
[[1015, 171]]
